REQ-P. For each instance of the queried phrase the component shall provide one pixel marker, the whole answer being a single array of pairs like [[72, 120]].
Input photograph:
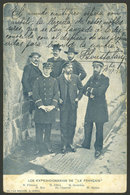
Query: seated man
[[96, 112], [45, 95]]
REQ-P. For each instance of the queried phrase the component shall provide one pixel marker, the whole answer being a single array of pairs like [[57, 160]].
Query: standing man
[[77, 67], [71, 91], [56, 61], [30, 73], [45, 96], [96, 112]]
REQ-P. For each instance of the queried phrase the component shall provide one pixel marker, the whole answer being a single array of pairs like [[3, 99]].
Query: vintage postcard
[[65, 97]]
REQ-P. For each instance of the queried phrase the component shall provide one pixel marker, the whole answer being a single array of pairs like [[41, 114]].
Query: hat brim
[[98, 65], [56, 49], [71, 52], [34, 55]]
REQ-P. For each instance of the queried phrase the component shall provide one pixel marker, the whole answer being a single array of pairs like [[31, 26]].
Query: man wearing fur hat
[[45, 96], [77, 67], [97, 111], [57, 61]]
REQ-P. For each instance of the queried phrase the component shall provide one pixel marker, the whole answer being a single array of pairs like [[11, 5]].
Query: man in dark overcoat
[[77, 67], [30, 73], [71, 91], [97, 111], [57, 61], [45, 96]]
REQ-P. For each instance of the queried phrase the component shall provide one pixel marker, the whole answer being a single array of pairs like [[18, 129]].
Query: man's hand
[[60, 101], [30, 93], [42, 107], [89, 89], [76, 100], [46, 108], [91, 96], [49, 108]]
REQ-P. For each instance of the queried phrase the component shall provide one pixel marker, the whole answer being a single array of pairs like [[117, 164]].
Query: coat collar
[[63, 77], [35, 67], [57, 59], [97, 78]]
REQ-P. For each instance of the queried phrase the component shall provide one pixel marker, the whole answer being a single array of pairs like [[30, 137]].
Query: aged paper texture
[[65, 97]]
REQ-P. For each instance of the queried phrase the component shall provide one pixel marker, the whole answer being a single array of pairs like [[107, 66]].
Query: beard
[[70, 58], [69, 72], [95, 74], [55, 54]]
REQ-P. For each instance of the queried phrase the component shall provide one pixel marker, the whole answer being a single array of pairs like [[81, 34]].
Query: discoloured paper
[[97, 32]]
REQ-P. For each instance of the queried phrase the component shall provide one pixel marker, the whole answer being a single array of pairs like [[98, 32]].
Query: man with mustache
[[97, 111], [57, 61], [71, 91], [77, 67], [30, 73]]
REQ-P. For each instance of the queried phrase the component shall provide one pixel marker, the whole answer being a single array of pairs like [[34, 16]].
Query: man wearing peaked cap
[[101, 64], [56, 60], [96, 111], [45, 96], [30, 73], [47, 65], [77, 67]]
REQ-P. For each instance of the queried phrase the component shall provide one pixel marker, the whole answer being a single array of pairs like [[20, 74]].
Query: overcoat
[[30, 74], [78, 69], [97, 106], [75, 89], [57, 66], [45, 92]]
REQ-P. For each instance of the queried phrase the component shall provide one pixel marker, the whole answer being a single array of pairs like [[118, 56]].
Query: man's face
[[71, 55], [68, 69], [56, 52], [96, 69], [35, 59], [47, 71]]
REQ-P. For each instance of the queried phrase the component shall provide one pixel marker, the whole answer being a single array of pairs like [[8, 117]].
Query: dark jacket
[[75, 89], [30, 74], [97, 106], [78, 69], [45, 92], [57, 66]]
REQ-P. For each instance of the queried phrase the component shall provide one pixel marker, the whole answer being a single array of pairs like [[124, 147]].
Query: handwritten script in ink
[[97, 32]]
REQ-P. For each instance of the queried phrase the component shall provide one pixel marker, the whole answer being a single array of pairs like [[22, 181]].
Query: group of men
[[59, 85]]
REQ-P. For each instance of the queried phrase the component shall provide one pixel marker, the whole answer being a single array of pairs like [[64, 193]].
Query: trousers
[[67, 124], [40, 128], [88, 126]]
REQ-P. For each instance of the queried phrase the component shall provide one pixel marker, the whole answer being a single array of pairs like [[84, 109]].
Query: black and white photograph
[[64, 97]]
